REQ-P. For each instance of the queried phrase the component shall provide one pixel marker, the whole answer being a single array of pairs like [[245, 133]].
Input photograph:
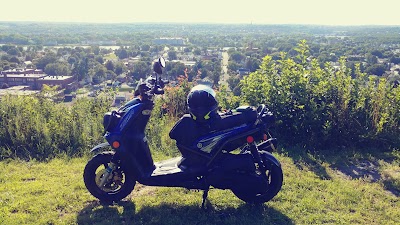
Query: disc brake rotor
[[112, 184]]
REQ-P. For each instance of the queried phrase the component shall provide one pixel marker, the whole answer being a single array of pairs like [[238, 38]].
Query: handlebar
[[151, 86], [261, 110]]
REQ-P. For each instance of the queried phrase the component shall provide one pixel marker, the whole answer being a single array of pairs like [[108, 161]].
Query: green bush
[[35, 127], [325, 107]]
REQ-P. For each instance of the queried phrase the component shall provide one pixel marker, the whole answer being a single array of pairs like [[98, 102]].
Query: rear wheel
[[119, 184], [269, 185]]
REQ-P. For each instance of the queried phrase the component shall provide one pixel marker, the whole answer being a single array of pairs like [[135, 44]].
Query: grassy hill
[[328, 189]]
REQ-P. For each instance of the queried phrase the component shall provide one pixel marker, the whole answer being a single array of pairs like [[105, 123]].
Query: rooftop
[[24, 75], [55, 78]]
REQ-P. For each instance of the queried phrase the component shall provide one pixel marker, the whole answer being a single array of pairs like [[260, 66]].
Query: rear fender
[[268, 156]]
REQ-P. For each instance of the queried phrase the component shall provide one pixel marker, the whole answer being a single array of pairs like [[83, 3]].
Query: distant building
[[32, 78], [169, 41], [21, 79], [243, 71], [22, 71], [61, 81]]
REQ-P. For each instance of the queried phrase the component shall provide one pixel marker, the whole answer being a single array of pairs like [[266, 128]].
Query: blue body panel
[[214, 141]]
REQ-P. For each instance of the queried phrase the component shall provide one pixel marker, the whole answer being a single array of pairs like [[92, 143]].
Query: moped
[[234, 153]]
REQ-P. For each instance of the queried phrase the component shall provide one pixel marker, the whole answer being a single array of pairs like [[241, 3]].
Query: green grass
[[314, 192]]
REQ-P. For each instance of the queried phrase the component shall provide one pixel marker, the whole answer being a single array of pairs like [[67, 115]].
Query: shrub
[[324, 107]]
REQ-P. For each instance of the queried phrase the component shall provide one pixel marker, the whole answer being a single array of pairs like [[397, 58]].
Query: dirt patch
[[142, 190]]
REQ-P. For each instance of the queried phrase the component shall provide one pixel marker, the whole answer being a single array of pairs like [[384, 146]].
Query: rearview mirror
[[161, 60], [157, 66]]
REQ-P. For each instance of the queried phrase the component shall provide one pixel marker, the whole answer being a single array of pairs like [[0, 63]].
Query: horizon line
[[203, 23]]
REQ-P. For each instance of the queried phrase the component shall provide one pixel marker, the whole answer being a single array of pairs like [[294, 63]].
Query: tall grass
[[36, 127]]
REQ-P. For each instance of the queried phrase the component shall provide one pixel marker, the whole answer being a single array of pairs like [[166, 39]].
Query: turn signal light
[[250, 139], [115, 144]]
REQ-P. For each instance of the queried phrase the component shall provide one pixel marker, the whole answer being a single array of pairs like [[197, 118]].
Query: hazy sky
[[330, 12]]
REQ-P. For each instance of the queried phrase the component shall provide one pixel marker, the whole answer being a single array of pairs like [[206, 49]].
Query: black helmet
[[202, 103]]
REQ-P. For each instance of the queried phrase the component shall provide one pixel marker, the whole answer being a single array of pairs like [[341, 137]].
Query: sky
[[324, 12]]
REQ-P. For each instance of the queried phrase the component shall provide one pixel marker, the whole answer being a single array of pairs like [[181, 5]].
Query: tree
[[377, 53], [233, 82], [14, 60], [252, 64], [176, 69], [50, 57], [5, 58], [14, 51], [81, 69], [376, 69], [197, 51], [122, 53], [371, 59], [72, 60], [237, 56], [95, 49], [100, 74], [120, 68], [145, 47], [188, 49], [140, 70], [7, 47], [110, 65], [99, 59], [395, 60], [57, 69], [172, 55]]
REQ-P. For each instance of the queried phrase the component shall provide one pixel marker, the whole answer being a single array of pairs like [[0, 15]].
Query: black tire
[[275, 179], [118, 187]]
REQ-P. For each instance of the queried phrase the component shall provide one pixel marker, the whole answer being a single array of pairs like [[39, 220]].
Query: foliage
[[172, 55], [57, 69], [226, 100], [53, 193], [35, 127], [321, 107], [141, 69]]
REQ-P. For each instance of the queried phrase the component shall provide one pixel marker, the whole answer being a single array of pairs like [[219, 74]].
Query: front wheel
[[119, 184], [270, 184]]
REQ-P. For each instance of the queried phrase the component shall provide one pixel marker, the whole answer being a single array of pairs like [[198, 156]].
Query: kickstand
[[205, 194]]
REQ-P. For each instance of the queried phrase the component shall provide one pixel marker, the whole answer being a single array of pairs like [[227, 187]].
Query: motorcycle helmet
[[202, 104]]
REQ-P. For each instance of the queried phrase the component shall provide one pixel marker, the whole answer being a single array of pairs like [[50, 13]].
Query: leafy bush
[[325, 107], [35, 127]]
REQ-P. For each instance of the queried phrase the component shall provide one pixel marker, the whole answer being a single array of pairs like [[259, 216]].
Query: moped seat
[[187, 130]]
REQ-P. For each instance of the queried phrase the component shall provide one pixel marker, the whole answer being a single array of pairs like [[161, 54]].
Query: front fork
[[112, 165]]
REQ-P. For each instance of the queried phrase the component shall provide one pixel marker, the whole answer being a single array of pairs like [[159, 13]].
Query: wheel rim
[[114, 183]]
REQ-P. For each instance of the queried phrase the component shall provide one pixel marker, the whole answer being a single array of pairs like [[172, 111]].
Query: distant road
[[224, 65]]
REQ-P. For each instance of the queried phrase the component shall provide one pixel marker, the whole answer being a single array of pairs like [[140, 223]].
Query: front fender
[[99, 146]]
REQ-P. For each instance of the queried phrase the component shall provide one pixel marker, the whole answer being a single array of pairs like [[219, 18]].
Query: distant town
[[83, 60]]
